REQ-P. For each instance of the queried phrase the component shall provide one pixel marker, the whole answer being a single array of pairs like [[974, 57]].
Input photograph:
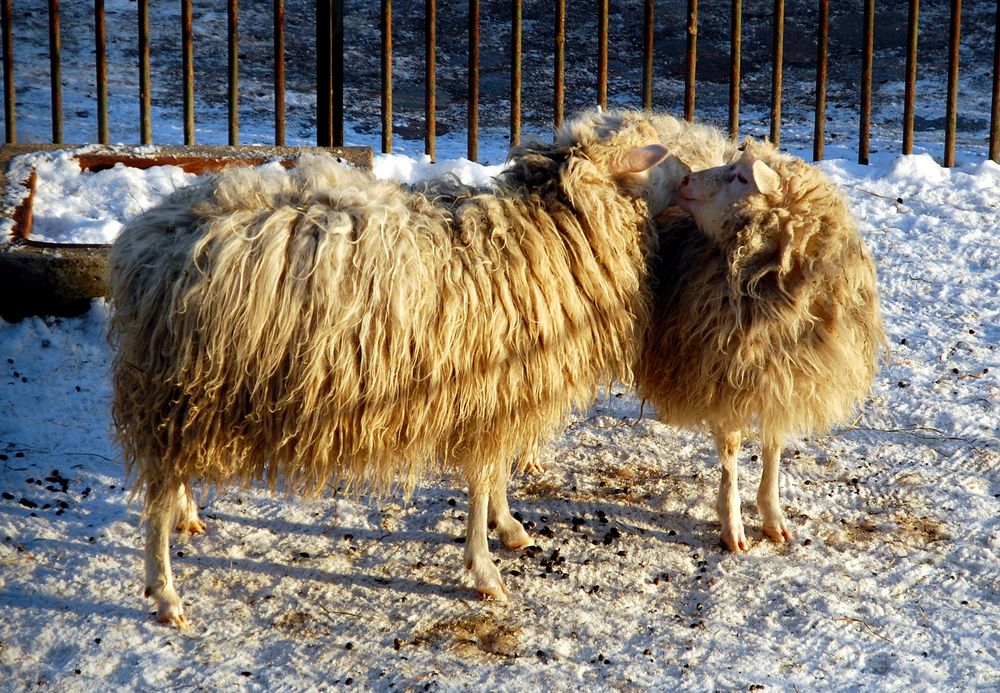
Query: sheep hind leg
[[774, 526], [159, 578], [188, 521], [511, 532], [485, 575], [727, 444]]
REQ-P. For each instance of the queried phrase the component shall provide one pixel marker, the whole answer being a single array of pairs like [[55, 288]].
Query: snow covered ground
[[892, 581]]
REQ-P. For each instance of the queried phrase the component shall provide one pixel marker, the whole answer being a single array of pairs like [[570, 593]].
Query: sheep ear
[[765, 177], [643, 158]]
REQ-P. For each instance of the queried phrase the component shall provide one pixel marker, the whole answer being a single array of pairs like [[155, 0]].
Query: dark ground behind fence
[[417, 70]]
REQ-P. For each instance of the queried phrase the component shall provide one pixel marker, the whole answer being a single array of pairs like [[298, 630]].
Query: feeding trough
[[42, 277]]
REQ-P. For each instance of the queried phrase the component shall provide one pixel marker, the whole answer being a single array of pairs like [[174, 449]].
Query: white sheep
[[765, 314], [318, 327]]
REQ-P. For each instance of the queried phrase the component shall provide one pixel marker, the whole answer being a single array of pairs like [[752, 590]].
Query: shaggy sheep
[[318, 327], [765, 314]]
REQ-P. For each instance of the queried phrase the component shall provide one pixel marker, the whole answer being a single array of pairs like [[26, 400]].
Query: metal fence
[[329, 16]]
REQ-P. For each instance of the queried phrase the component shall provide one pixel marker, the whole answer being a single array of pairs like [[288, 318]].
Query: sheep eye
[[741, 178]]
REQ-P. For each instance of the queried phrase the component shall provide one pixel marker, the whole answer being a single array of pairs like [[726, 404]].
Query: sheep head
[[619, 145], [718, 198]]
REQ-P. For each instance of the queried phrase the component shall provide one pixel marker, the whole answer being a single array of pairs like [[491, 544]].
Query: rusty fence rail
[[329, 17]]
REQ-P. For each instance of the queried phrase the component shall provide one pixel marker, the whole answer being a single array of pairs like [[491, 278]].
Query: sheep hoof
[[533, 466], [516, 543], [735, 540], [778, 535], [195, 526], [169, 611], [494, 592], [514, 537]]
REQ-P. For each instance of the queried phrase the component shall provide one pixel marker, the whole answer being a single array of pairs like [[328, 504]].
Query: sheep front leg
[[159, 578], [727, 444], [767, 494], [485, 574], [510, 531]]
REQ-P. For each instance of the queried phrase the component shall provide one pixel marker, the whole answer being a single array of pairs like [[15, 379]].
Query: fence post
[[55, 71], [692, 59], [9, 112], [472, 148], [145, 119], [187, 43], [430, 85], [101, 49], [559, 68], [279, 72], [602, 53], [777, 56], [911, 74], [515, 72], [735, 57], [951, 120], [233, 39], [868, 43], [648, 35], [822, 48], [386, 76], [995, 111]]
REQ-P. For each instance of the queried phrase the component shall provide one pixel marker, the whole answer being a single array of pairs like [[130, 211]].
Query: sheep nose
[[685, 180]]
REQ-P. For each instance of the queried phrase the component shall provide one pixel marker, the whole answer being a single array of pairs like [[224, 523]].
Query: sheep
[[765, 314], [317, 327]]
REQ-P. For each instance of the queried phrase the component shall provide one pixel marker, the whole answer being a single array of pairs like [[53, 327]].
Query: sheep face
[[717, 197]]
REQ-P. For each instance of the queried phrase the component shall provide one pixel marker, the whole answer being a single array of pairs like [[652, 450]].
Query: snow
[[892, 581], [74, 206]]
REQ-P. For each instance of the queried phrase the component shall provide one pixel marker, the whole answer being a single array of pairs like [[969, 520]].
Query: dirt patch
[[908, 530], [480, 636], [922, 530], [300, 624]]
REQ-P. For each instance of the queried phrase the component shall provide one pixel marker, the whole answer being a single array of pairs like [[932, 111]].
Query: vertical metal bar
[[777, 57], [233, 41], [430, 83], [472, 150], [735, 57], [951, 120], [692, 58], [101, 39], [822, 49], [602, 53], [868, 47], [912, 33], [386, 76], [9, 111], [324, 76], [279, 72], [648, 35], [559, 70], [515, 72], [995, 112], [55, 71], [337, 70], [187, 43], [145, 105]]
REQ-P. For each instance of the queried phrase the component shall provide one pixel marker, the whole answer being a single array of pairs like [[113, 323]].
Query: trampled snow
[[892, 581]]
